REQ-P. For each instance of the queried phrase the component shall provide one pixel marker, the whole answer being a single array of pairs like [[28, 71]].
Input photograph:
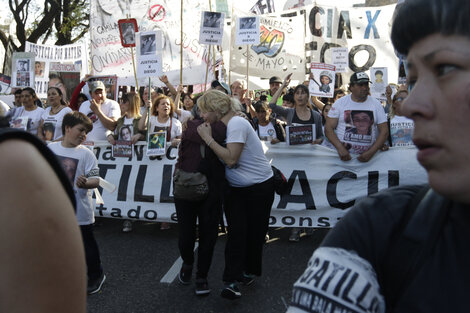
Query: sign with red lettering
[[157, 13]]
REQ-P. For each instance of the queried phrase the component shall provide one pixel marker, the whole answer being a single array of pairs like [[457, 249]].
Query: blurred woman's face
[[164, 108], [54, 82], [188, 102], [125, 105], [53, 97]]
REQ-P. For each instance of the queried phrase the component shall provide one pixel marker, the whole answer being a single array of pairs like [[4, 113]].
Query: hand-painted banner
[[321, 186], [47, 57], [109, 57]]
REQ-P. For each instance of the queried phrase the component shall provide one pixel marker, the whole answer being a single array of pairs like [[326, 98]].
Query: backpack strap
[[412, 243]]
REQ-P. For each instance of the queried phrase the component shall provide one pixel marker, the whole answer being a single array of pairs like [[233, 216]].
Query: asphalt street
[[135, 264]]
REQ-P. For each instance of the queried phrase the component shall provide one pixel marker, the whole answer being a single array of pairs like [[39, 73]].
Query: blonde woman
[[251, 189], [127, 127]]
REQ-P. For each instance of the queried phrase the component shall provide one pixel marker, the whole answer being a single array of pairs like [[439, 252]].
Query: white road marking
[[175, 269]]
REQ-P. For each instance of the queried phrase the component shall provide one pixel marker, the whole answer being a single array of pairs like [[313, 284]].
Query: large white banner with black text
[[321, 186]]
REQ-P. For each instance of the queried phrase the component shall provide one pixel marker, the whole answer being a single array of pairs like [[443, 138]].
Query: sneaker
[[247, 279], [231, 292], [164, 226], [202, 287], [95, 285], [185, 274], [295, 234], [127, 226]]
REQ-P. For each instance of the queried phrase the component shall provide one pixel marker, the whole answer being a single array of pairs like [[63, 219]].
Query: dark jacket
[[278, 127]]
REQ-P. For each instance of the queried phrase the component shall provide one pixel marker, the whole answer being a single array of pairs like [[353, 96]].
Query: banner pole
[[148, 111], [181, 41], [247, 69], [135, 73], [207, 66]]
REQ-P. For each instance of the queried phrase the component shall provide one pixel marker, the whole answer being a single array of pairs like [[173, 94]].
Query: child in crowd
[[81, 166]]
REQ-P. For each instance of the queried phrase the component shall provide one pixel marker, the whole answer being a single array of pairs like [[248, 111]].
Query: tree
[[67, 20]]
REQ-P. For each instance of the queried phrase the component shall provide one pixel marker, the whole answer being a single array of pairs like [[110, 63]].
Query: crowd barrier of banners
[[321, 186]]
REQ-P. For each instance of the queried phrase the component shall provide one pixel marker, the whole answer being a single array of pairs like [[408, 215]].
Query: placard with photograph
[[378, 82], [149, 58], [23, 69], [212, 28], [301, 134], [322, 80], [156, 143], [127, 29], [248, 32], [122, 149]]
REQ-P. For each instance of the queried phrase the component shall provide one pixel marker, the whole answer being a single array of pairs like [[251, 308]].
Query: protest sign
[[69, 56], [339, 58], [22, 69], [5, 84], [122, 149], [66, 77], [379, 82], [279, 51], [127, 30], [321, 187], [156, 144], [322, 80], [212, 28], [149, 59], [247, 31], [300, 134]]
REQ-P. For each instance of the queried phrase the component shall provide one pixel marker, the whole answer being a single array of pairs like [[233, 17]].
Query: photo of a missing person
[[127, 30], [212, 19], [148, 44], [70, 167], [361, 128], [39, 68], [125, 133], [247, 22], [22, 65]]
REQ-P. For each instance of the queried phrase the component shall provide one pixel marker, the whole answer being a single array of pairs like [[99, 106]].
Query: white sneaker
[[127, 226]]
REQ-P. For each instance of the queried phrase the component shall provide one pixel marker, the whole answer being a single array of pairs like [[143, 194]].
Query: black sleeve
[[367, 227], [8, 133]]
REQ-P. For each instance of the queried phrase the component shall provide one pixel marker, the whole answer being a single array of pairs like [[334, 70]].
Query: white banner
[[322, 187], [109, 57], [75, 56]]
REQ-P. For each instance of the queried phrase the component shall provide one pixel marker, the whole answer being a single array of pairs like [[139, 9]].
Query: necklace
[[57, 111]]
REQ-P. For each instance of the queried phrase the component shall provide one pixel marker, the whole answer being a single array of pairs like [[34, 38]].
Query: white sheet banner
[[47, 55], [321, 187], [109, 57]]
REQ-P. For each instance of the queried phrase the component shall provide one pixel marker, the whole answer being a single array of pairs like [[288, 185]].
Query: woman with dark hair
[[300, 114], [406, 248], [27, 117], [55, 80], [53, 115]]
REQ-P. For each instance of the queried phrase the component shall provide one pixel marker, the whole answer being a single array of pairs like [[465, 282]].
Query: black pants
[[208, 213], [247, 211], [92, 253]]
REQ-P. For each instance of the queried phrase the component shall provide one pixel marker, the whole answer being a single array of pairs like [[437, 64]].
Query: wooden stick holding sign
[[247, 34]]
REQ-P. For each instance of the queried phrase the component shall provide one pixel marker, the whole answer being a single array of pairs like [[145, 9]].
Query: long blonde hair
[[217, 101]]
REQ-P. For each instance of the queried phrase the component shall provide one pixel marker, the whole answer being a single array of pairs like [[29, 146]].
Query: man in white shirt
[[103, 112], [357, 122]]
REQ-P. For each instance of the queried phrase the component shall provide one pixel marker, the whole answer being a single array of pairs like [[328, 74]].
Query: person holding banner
[[53, 115], [342, 128], [406, 249], [251, 189]]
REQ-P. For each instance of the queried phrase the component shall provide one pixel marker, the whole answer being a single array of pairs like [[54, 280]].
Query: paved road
[[136, 262]]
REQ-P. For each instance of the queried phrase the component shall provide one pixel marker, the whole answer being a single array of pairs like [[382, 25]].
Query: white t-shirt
[[76, 162], [53, 123], [252, 167], [27, 120], [185, 115], [110, 108], [357, 122], [266, 132], [401, 131], [176, 127]]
